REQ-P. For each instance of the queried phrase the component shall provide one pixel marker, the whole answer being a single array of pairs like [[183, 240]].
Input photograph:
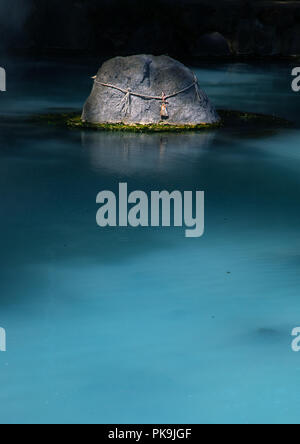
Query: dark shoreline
[[60, 53]]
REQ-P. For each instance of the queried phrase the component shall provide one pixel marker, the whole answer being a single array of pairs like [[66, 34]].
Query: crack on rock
[[147, 72]]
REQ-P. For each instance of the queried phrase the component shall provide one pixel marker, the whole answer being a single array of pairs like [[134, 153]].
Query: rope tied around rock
[[126, 101]]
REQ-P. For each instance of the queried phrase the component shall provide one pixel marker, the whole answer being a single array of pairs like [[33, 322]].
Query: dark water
[[144, 325]]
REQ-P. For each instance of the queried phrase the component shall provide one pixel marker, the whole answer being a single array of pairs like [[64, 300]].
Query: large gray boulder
[[129, 90]]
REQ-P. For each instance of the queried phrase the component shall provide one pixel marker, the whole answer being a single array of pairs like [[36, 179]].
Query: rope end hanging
[[164, 114], [126, 102]]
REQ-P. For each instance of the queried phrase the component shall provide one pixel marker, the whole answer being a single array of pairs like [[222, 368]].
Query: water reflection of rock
[[131, 152]]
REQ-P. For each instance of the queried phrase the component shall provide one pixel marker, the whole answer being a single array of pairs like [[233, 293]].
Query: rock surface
[[150, 76]]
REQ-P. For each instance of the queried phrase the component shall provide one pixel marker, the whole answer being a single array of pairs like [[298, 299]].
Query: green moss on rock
[[229, 118]]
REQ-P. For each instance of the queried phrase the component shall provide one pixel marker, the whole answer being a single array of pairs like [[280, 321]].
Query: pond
[[142, 325]]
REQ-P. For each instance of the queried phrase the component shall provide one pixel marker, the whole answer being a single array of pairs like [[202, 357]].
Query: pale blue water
[[143, 325]]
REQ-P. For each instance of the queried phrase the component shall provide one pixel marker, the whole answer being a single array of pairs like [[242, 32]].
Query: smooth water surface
[[144, 325]]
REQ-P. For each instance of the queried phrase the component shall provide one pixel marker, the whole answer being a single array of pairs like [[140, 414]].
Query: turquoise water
[[144, 325]]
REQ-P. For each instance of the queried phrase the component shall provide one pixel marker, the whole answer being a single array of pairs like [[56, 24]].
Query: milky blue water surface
[[144, 325]]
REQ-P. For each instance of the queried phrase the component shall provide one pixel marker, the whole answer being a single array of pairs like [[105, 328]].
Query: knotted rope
[[126, 101]]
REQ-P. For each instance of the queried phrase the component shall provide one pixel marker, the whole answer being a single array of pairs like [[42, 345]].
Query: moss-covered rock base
[[232, 119]]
